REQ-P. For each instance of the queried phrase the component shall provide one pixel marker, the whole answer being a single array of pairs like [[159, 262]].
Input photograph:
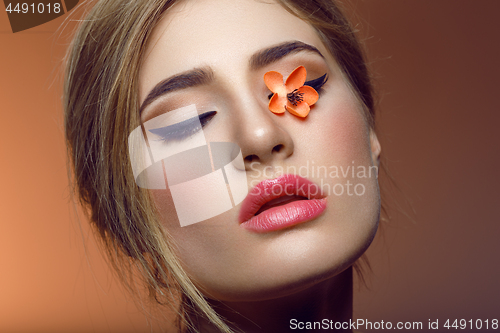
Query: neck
[[328, 302]]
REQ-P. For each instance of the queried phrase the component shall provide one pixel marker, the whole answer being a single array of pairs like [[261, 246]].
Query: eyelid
[[184, 128]]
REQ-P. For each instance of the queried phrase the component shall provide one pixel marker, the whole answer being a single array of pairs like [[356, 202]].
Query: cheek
[[337, 140], [166, 209], [207, 248], [344, 133], [341, 146]]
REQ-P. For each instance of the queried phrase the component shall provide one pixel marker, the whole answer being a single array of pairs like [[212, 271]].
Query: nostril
[[250, 158], [278, 148]]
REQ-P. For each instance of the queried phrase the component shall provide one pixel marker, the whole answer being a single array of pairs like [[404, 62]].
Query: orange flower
[[293, 96]]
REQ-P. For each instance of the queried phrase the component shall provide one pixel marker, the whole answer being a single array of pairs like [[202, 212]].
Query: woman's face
[[332, 147]]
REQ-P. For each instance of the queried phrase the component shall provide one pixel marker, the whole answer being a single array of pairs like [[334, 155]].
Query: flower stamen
[[295, 97]]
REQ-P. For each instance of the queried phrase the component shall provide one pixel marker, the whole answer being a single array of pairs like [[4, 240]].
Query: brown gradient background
[[437, 71]]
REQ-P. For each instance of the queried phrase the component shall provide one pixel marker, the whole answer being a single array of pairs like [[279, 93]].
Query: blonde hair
[[102, 108]]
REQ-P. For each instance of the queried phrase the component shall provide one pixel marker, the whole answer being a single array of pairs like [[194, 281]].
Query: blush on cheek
[[347, 133]]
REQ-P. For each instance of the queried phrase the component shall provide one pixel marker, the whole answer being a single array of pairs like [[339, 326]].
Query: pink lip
[[284, 216]]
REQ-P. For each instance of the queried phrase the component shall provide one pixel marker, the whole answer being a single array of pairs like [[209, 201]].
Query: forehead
[[222, 34]]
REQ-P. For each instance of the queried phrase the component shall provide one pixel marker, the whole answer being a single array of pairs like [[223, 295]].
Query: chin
[[291, 260]]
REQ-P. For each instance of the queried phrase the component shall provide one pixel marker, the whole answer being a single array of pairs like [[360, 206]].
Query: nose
[[262, 136]]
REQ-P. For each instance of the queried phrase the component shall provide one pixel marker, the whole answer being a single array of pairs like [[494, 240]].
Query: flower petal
[[311, 96], [300, 110], [296, 79], [274, 81], [277, 104]]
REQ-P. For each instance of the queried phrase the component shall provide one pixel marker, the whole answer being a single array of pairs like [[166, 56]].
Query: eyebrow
[[275, 53], [202, 76], [192, 78]]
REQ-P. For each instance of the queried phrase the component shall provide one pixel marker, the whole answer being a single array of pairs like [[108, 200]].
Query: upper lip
[[270, 189]]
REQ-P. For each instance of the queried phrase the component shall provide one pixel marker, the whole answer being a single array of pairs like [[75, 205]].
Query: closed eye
[[184, 129], [317, 84]]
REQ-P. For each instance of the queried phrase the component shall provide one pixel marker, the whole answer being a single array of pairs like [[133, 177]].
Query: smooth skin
[[301, 272]]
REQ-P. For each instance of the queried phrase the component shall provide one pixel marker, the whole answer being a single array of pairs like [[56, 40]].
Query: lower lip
[[285, 216]]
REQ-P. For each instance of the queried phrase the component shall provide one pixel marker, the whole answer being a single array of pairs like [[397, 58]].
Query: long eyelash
[[317, 84], [183, 129]]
